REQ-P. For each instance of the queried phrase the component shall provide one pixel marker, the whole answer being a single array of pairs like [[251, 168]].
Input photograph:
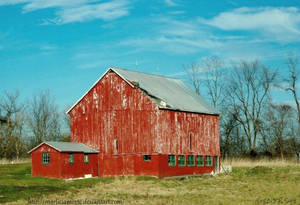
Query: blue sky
[[65, 46]]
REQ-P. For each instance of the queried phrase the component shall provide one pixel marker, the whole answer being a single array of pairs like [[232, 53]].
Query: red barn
[[144, 124]]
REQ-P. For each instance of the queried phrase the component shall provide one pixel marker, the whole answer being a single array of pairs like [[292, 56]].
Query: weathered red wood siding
[[53, 169], [78, 168], [113, 110]]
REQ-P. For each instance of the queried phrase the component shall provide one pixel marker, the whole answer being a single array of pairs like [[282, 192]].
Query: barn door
[[216, 164]]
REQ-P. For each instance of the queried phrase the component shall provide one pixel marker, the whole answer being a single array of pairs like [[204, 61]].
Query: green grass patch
[[17, 183]]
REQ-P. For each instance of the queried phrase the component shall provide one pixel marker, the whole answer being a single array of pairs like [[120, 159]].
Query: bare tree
[[214, 70], [278, 122], [66, 126], [193, 73], [227, 124], [43, 118], [248, 90], [11, 132], [290, 82]]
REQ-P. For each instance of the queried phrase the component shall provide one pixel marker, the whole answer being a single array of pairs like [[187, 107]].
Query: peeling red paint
[[114, 110]]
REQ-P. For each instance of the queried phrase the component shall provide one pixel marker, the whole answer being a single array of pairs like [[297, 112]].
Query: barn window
[[71, 158], [191, 160], [86, 158], [181, 160], [172, 160], [208, 161], [147, 157], [200, 161], [45, 158], [191, 142]]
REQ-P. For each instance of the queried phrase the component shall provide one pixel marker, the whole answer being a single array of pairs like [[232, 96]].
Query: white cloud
[[171, 3], [105, 11], [12, 2], [280, 24], [43, 4], [75, 10]]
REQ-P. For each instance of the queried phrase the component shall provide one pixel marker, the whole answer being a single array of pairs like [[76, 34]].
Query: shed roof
[[168, 93], [68, 147]]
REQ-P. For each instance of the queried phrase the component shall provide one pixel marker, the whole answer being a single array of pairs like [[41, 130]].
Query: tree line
[[252, 121], [24, 125]]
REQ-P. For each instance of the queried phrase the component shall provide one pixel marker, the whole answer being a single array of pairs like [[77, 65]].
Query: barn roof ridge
[[171, 93], [67, 147], [158, 75]]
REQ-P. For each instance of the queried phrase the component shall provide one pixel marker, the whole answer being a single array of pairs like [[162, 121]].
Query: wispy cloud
[[49, 47], [180, 37], [278, 24], [44, 4], [75, 10], [171, 3], [177, 12], [105, 11], [244, 33], [12, 2]]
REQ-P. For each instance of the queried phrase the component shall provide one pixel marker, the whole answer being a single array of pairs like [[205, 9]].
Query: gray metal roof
[[68, 147], [168, 93]]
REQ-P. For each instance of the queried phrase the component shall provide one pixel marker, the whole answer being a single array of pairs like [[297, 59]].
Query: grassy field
[[263, 184]]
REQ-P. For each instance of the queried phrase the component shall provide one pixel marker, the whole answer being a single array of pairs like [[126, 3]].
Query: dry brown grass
[[247, 162], [250, 182], [15, 161], [244, 185]]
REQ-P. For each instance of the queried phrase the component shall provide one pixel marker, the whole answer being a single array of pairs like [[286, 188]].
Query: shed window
[[71, 158], [45, 158], [208, 161], [147, 157], [181, 160], [86, 158], [200, 161], [172, 160], [191, 160]]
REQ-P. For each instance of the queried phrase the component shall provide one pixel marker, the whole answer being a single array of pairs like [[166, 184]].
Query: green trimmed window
[[147, 157], [191, 160], [71, 158], [200, 161], [45, 158], [86, 158], [208, 161], [172, 160], [181, 160]]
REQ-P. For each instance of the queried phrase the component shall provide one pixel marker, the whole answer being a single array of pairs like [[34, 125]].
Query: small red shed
[[64, 160]]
